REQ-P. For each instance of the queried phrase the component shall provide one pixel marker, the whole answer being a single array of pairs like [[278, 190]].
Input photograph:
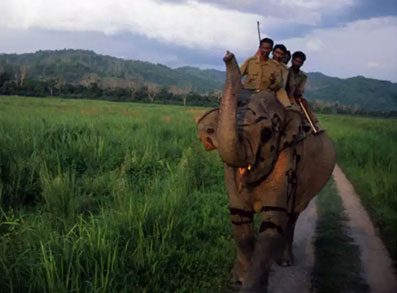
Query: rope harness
[[292, 181]]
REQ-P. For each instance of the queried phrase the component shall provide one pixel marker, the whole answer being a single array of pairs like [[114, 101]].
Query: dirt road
[[376, 263]]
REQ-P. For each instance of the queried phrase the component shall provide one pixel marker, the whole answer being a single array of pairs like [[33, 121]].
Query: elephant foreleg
[[243, 230], [267, 247]]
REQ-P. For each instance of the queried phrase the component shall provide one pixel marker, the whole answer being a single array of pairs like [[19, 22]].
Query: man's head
[[265, 47], [298, 58], [278, 52], [287, 56]]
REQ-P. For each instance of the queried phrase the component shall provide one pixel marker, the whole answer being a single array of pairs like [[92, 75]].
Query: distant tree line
[[147, 93], [86, 75], [338, 108], [12, 84]]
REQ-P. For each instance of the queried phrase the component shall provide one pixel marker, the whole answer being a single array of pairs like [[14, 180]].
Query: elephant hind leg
[[287, 257]]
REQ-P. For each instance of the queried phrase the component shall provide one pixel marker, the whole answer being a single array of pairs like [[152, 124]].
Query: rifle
[[259, 31], [306, 110]]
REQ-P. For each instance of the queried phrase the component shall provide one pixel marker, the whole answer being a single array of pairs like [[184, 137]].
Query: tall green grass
[[367, 152], [102, 197]]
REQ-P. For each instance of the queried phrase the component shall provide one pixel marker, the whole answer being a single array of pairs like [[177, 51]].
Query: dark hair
[[288, 53], [299, 54], [281, 47], [266, 40]]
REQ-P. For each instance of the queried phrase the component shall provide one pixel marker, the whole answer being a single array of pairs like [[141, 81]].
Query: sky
[[341, 38]]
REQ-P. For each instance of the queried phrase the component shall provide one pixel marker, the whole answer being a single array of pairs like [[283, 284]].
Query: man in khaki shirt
[[296, 87], [279, 51], [261, 72], [296, 77]]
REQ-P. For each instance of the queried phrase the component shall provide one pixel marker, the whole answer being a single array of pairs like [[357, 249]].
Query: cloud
[[373, 64], [197, 32], [124, 45], [364, 47], [191, 24], [315, 4], [204, 24], [310, 12], [315, 45]]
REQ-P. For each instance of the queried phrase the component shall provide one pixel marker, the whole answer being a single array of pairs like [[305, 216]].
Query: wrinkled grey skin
[[256, 139]]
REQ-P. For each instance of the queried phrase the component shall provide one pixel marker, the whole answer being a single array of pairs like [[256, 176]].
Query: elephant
[[271, 168]]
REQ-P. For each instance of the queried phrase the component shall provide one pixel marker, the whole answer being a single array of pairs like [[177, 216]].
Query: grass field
[[100, 196]]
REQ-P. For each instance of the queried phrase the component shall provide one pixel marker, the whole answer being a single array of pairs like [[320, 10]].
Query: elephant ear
[[207, 125], [292, 130]]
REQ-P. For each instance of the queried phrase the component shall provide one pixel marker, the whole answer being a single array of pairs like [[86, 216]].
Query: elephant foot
[[238, 274], [254, 289], [286, 260], [284, 263]]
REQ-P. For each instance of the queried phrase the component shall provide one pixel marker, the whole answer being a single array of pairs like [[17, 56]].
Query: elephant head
[[249, 129]]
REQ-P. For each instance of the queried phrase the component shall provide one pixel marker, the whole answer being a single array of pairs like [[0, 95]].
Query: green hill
[[366, 93], [84, 68]]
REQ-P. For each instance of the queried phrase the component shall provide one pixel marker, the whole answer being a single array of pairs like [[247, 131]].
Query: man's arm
[[284, 75], [244, 70], [276, 80], [301, 87], [291, 86], [244, 67]]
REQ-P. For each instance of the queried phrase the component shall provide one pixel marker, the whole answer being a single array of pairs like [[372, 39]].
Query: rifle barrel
[[259, 31]]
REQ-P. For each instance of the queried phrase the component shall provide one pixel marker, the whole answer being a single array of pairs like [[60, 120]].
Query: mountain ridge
[[84, 67]]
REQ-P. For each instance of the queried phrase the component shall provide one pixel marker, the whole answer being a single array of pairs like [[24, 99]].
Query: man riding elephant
[[296, 86], [279, 51], [262, 73], [265, 74], [296, 77]]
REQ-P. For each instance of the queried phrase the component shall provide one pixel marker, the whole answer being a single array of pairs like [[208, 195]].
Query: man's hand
[[298, 96], [272, 78]]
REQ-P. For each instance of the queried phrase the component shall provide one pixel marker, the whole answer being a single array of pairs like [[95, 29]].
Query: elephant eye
[[210, 131], [266, 135]]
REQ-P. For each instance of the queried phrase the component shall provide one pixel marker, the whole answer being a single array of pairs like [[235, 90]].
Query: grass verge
[[338, 265]]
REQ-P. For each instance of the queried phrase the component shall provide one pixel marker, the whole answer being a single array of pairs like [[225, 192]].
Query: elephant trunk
[[230, 147]]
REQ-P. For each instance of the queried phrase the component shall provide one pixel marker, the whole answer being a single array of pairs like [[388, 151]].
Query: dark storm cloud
[[324, 17], [364, 9], [125, 45]]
